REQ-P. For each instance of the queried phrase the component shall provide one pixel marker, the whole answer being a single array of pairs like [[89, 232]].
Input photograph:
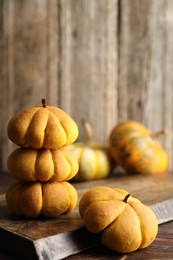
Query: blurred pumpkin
[[124, 223], [29, 164], [42, 127], [136, 149], [49, 199], [94, 160]]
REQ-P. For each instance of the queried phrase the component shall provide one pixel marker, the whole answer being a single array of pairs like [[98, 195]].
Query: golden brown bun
[[125, 224], [37, 127], [49, 199], [28, 164]]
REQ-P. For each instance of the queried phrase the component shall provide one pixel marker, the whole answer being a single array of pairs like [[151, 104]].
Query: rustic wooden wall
[[105, 61]]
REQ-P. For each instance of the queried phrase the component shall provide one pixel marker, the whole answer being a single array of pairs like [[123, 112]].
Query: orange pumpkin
[[42, 127], [124, 223], [136, 149], [28, 164]]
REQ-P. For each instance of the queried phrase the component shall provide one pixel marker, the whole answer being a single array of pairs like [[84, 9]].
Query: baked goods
[[43, 163]]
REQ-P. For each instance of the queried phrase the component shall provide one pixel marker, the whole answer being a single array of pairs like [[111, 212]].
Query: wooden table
[[148, 189]]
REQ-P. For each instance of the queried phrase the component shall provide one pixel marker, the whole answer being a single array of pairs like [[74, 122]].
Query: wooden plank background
[[105, 61]]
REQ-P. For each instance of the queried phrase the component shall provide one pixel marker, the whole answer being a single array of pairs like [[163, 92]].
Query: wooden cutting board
[[57, 238]]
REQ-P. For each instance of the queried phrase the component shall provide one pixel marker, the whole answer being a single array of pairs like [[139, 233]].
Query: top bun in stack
[[42, 127]]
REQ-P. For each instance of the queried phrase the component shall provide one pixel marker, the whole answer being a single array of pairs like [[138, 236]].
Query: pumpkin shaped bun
[[28, 164], [49, 199], [124, 223], [42, 126], [136, 149]]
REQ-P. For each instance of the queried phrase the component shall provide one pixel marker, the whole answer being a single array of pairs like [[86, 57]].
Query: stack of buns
[[43, 163]]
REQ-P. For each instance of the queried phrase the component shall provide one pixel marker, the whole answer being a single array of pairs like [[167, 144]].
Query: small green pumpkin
[[94, 160]]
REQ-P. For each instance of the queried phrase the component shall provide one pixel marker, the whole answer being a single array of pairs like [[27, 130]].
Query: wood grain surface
[[105, 61], [65, 235]]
